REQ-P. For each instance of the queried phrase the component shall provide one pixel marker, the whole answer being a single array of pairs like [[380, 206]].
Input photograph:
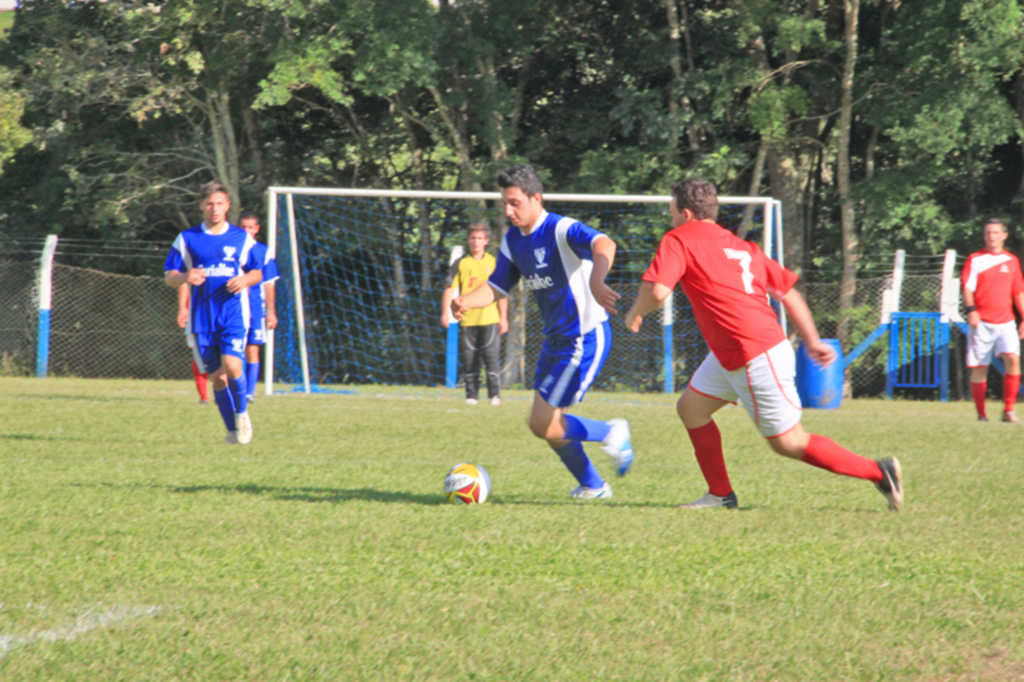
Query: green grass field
[[135, 545]]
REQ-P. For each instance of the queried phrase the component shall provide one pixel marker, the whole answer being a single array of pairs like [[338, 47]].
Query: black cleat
[[982, 418], [891, 485]]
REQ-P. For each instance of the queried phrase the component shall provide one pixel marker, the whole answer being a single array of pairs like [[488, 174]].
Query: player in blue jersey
[[261, 303], [564, 263], [218, 260]]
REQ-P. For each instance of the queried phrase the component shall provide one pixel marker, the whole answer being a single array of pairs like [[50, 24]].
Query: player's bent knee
[[791, 444]]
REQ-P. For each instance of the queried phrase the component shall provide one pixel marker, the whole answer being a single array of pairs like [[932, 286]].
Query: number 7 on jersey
[[744, 258]]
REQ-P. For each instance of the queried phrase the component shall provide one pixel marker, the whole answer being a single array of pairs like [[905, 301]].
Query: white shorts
[[988, 340], [765, 386]]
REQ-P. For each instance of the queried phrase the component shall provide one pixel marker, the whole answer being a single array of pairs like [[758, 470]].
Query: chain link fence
[[18, 317], [866, 375], [102, 325]]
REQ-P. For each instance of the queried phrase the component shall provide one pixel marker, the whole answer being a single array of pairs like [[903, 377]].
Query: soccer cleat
[[1009, 416], [495, 401], [231, 438], [617, 444], [891, 485], [204, 402], [583, 493], [471, 401], [709, 501], [982, 418], [243, 426], [250, 398]]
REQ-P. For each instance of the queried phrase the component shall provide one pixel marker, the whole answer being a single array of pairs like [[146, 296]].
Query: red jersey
[[995, 278], [728, 282]]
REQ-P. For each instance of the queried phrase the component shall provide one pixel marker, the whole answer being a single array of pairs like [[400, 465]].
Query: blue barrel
[[820, 387]]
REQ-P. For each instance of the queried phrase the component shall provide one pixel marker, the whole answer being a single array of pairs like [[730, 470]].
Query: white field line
[[90, 620]]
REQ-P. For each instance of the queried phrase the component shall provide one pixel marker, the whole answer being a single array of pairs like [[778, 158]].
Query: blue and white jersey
[[555, 261], [222, 256], [257, 295]]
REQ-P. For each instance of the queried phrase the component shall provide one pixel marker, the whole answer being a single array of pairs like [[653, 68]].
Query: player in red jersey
[[728, 282], [991, 281]]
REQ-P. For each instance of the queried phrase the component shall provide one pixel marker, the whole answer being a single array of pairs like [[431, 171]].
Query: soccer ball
[[467, 484]]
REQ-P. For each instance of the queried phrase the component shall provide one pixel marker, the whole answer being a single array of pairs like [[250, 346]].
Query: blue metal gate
[[918, 353]]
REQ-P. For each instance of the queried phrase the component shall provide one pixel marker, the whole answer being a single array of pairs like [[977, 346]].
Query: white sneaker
[[495, 401], [710, 501], [471, 401], [250, 398], [582, 493], [231, 438], [243, 427], [617, 445]]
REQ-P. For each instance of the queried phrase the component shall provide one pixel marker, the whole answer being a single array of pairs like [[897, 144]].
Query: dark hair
[[996, 221], [522, 176], [700, 196], [211, 188], [247, 215], [479, 226]]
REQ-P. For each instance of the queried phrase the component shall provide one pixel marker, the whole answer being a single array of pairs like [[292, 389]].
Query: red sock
[[201, 381], [978, 390], [825, 453], [1011, 384], [707, 446]]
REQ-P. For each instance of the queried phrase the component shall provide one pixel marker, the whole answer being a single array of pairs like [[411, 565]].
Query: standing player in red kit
[[728, 282], [991, 281]]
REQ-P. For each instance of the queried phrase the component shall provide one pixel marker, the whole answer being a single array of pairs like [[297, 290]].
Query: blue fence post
[[892, 364], [451, 358], [45, 300], [668, 355], [944, 361]]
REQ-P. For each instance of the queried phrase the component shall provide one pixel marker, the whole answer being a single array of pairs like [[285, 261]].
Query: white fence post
[[45, 300]]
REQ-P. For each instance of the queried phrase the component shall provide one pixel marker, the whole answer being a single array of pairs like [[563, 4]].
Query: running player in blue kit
[[219, 261], [261, 303], [564, 263]]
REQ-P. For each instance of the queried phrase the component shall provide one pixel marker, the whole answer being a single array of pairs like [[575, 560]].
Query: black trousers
[[484, 342]]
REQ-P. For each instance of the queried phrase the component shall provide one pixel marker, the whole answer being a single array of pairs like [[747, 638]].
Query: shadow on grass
[[333, 495], [34, 436]]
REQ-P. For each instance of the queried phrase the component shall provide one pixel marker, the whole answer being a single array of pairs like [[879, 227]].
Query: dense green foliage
[[137, 546], [119, 110]]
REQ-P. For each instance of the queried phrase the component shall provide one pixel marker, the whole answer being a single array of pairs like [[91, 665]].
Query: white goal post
[[771, 243]]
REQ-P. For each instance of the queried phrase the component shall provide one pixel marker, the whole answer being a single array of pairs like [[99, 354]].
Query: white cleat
[[243, 428], [709, 501], [582, 493], [495, 401], [618, 446], [231, 438], [471, 401]]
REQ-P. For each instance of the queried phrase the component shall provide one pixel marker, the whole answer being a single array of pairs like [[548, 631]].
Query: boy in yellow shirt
[[481, 328]]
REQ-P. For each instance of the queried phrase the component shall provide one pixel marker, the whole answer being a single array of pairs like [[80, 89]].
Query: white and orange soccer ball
[[467, 484]]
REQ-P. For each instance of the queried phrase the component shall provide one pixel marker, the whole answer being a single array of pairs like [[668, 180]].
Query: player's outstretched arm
[[604, 255], [800, 315], [243, 282], [176, 278], [481, 297], [650, 298], [446, 304], [502, 315]]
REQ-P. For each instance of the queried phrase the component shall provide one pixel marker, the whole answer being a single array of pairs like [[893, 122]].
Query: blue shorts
[[564, 375], [209, 347], [257, 335]]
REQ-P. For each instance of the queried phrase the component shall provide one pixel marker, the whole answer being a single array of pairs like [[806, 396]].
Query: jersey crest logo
[[1003, 268], [238, 345], [229, 253], [540, 255]]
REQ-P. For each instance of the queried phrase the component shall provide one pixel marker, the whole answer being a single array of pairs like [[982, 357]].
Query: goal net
[[363, 273]]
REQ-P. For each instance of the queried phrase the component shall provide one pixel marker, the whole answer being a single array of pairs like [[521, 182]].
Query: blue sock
[[252, 375], [580, 428], [579, 465], [222, 397], [238, 393]]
